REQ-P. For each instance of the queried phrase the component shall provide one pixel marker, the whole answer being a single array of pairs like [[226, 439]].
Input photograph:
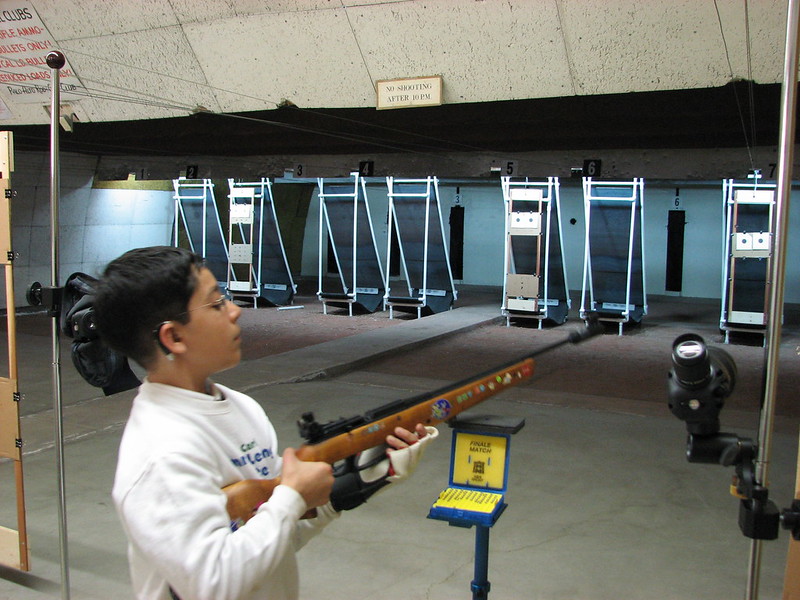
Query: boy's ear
[[168, 339]]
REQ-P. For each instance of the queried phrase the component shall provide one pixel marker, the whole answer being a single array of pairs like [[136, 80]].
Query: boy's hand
[[312, 480], [406, 449], [403, 438]]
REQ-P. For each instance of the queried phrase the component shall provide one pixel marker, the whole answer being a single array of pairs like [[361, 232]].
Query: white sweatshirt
[[179, 449]]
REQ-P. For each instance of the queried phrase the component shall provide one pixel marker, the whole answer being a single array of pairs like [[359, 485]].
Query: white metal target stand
[[257, 263], [196, 210], [345, 223], [415, 219], [613, 266], [244, 280], [532, 287], [747, 257]]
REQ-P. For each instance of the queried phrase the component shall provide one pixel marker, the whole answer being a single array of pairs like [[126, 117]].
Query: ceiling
[[243, 77]]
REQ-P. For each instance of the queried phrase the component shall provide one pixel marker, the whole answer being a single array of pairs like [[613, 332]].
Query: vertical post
[[321, 199], [626, 313], [480, 586], [425, 247], [389, 234], [177, 211], [56, 60], [587, 272], [772, 338], [642, 245], [505, 183], [354, 253]]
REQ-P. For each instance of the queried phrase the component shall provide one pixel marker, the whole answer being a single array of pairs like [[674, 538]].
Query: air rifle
[[336, 440]]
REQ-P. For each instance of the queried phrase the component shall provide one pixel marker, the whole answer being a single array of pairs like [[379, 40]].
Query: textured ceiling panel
[[767, 40], [244, 55], [144, 74], [75, 19], [261, 60], [484, 51], [640, 46], [192, 11]]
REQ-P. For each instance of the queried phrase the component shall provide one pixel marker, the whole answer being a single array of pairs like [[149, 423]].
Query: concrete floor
[[601, 502]]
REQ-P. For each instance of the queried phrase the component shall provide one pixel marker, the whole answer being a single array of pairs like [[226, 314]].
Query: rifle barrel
[[319, 433]]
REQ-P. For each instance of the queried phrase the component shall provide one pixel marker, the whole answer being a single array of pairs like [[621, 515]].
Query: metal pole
[[777, 271], [480, 586], [56, 60]]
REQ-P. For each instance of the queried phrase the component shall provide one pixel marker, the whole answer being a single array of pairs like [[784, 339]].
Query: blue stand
[[480, 586], [478, 482]]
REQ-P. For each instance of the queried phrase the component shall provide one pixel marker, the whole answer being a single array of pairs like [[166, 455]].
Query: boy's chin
[[234, 362]]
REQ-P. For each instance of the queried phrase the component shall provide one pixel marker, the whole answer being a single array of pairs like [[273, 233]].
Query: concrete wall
[[95, 224]]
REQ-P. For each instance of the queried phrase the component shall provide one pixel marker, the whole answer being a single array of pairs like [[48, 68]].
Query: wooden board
[[10, 549], [791, 581], [9, 420]]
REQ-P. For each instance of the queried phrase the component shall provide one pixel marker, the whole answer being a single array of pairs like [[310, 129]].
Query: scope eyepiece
[[690, 361]]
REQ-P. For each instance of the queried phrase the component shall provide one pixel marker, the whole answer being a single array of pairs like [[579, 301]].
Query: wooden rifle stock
[[244, 497]]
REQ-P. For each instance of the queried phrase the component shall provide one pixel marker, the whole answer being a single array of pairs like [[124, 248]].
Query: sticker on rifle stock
[[441, 409]]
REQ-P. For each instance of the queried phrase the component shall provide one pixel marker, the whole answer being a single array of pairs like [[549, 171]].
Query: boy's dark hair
[[138, 291]]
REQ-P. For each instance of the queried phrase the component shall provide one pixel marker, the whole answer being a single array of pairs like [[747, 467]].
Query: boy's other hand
[[312, 480]]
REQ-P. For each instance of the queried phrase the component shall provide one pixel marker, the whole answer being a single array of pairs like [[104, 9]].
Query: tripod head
[[699, 382]]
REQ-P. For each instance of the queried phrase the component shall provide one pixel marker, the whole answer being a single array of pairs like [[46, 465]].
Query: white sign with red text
[[24, 45]]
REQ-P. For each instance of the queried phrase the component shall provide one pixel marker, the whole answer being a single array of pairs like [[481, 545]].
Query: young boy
[[186, 436]]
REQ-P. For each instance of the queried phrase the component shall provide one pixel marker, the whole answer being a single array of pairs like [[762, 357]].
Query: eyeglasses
[[217, 304]]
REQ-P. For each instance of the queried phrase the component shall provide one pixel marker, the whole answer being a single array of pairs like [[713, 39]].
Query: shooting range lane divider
[[336, 440], [415, 221]]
